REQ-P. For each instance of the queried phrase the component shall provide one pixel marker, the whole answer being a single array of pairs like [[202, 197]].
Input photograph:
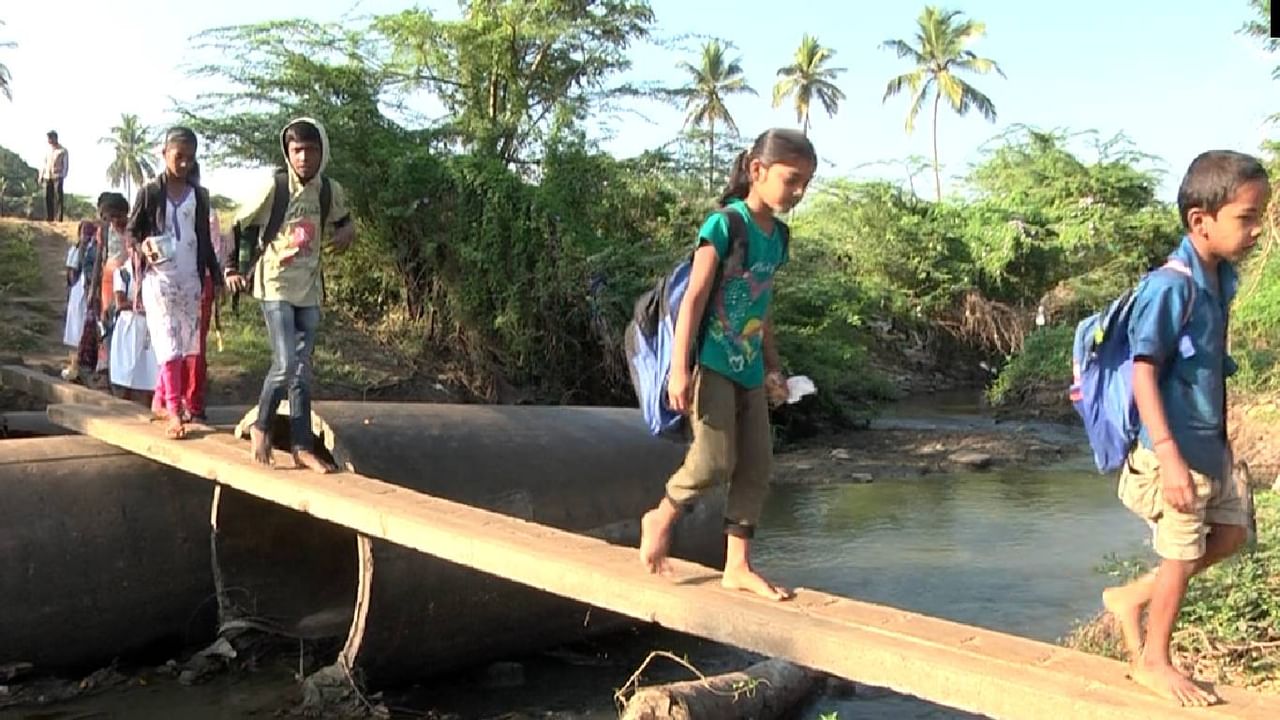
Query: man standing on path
[[52, 177]]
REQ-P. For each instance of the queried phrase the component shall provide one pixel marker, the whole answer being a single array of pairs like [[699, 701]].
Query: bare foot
[[1127, 611], [655, 539], [748, 580], [260, 446], [175, 430], [1170, 684], [308, 459]]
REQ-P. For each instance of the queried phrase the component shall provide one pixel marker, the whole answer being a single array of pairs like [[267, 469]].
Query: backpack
[[257, 237], [650, 335], [1102, 375]]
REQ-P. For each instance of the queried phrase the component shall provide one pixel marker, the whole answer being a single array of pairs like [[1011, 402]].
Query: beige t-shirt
[[289, 269], [55, 163]]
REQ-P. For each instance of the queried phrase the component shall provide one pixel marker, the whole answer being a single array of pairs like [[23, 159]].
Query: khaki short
[[1177, 535]]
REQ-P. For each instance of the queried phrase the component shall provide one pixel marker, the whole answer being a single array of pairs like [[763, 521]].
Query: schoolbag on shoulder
[[650, 335], [256, 237], [1102, 375]]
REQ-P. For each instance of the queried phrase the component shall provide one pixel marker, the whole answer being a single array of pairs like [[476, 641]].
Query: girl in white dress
[[133, 362], [170, 223], [80, 266]]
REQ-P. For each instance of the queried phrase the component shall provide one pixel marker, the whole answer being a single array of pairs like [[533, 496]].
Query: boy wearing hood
[[282, 268]]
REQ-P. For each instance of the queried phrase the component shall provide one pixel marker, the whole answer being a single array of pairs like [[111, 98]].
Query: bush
[[19, 263], [1229, 627], [1255, 323], [1044, 363]]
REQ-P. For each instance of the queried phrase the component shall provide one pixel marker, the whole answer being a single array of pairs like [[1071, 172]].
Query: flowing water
[[1014, 551]]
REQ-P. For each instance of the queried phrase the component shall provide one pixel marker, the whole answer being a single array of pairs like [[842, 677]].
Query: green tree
[[131, 165], [710, 82], [807, 78], [939, 53], [514, 73], [1260, 27]]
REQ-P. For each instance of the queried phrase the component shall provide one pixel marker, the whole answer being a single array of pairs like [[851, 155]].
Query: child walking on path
[[170, 221], [725, 369], [84, 264], [293, 214], [1178, 476], [133, 363]]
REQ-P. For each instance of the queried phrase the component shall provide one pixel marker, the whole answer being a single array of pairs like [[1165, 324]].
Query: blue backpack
[[1102, 376], [650, 335]]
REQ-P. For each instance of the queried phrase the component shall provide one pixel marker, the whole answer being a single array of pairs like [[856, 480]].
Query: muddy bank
[[914, 447]]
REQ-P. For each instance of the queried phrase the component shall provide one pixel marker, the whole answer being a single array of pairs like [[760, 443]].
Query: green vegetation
[[19, 263], [348, 361], [1043, 364], [19, 278], [503, 239], [1229, 629]]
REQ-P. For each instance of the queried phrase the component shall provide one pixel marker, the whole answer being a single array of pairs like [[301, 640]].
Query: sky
[[1173, 75]]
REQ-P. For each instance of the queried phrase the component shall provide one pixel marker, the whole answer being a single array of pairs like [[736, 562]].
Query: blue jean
[[291, 330]]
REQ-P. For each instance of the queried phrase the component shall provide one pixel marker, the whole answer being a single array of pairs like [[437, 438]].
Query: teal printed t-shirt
[[733, 324]]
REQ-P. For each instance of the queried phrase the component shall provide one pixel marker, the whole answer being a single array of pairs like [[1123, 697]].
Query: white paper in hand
[[798, 386]]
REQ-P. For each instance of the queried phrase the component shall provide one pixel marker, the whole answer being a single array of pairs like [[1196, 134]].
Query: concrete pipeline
[[405, 615], [104, 554]]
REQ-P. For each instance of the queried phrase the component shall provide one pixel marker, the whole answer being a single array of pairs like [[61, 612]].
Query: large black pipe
[[405, 615], [102, 554]]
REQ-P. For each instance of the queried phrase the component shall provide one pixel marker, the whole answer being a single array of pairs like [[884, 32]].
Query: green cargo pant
[[731, 443]]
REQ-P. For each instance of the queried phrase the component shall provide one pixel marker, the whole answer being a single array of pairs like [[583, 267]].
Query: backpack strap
[[1181, 268], [279, 204], [326, 201], [738, 243]]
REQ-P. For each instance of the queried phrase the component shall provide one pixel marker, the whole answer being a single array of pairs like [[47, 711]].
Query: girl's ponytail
[[739, 180]]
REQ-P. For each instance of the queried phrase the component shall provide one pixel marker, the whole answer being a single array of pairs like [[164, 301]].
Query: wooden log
[[55, 390], [770, 689]]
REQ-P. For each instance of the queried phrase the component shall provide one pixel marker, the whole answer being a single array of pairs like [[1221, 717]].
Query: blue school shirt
[[1193, 360]]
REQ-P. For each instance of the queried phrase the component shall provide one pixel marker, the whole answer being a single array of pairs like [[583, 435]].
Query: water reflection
[[1013, 551]]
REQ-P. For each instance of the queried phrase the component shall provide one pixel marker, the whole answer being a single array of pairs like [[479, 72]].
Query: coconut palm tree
[[6, 87], [939, 53], [709, 84], [806, 78], [132, 164]]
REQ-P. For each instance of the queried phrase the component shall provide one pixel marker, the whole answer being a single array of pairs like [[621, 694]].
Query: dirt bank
[[913, 447]]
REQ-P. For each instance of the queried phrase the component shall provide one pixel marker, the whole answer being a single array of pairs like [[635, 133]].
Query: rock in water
[[974, 460]]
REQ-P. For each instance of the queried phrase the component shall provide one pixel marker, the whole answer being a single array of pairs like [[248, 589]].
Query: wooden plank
[[56, 390], [978, 670]]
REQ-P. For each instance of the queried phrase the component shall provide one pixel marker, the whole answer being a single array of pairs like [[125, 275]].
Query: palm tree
[[806, 77], [939, 52], [709, 85], [6, 87], [132, 163]]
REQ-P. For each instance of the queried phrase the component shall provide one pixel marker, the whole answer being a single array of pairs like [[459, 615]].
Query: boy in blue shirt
[[1178, 477]]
